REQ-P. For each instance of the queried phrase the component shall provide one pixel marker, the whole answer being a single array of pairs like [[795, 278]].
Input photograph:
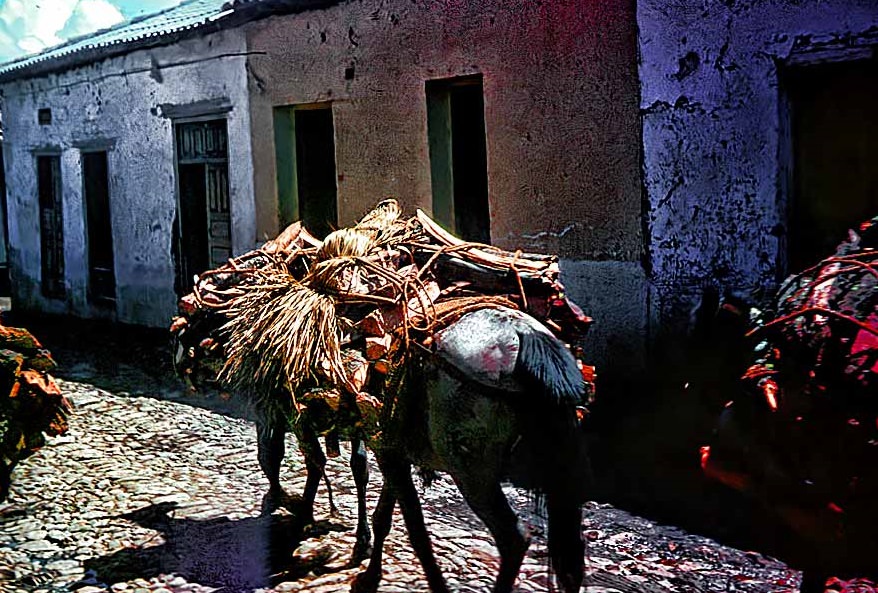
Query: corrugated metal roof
[[189, 14]]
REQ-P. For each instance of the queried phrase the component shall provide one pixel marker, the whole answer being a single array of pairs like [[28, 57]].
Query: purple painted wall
[[715, 144]]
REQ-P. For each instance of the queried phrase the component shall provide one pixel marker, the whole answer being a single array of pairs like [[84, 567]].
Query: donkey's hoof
[[365, 582], [362, 550], [272, 500], [334, 513]]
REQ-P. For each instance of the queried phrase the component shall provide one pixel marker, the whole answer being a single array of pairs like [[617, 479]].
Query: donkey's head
[[562, 315]]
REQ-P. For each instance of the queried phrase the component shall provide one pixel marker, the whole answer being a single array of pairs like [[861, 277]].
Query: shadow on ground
[[124, 359], [646, 456], [647, 441], [117, 354], [230, 555]]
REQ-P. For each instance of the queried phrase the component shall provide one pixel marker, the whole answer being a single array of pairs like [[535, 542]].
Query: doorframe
[[107, 145], [214, 115], [821, 52]]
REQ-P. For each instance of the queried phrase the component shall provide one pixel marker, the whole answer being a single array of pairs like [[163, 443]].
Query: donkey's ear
[[703, 316]]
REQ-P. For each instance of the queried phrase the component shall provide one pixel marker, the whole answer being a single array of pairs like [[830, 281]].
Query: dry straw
[[284, 334]]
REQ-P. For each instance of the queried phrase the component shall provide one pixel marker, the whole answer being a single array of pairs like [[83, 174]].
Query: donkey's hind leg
[[566, 547], [487, 500]]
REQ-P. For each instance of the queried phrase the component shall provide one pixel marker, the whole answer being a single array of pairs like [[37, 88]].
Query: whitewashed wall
[[120, 101]]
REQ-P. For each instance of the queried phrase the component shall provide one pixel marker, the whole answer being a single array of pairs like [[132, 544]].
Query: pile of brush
[[301, 318], [31, 404]]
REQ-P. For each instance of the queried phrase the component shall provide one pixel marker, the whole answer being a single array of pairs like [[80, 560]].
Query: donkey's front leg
[[315, 464], [399, 474], [367, 581], [360, 469], [270, 453]]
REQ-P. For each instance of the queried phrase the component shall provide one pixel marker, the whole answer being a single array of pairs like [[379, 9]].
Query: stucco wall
[[560, 88], [120, 100], [714, 142]]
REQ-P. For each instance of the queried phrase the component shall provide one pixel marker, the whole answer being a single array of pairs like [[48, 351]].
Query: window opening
[[458, 156]]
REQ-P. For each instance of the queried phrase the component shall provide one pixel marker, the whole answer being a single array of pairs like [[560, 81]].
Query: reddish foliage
[[837, 585]]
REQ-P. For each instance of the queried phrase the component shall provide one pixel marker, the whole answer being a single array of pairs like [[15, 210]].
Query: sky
[[30, 26]]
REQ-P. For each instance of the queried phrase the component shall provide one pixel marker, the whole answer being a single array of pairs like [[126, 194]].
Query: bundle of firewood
[[31, 404], [307, 319], [823, 330]]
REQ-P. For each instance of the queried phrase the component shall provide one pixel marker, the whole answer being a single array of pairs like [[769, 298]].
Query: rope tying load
[[299, 316]]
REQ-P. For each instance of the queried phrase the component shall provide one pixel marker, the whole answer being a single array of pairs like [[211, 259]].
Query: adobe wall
[[563, 136]]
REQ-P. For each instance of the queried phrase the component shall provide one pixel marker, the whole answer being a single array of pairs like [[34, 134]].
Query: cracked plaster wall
[[119, 101], [713, 141], [562, 129]]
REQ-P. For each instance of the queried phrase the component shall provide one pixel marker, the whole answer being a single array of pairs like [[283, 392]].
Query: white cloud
[[89, 16], [30, 44], [29, 26]]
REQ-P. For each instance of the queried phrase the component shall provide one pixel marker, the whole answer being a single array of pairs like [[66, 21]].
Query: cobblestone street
[[154, 490]]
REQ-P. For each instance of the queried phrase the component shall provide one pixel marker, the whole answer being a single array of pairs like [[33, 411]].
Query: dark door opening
[[306, 175], [458, 156], [96, 189], [835, 139], [51, 225], [203, 235]]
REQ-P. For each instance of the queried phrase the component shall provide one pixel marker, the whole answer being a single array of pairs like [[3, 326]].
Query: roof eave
[[93, 55], [243, 14]]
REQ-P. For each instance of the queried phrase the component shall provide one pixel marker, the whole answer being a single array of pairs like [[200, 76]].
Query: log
[[377, 346], [373, 325], [356, 369]]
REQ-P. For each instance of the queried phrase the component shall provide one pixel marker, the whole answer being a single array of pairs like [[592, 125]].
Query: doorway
[[306, 177], [51, 225], [203, 230], [834, 129], [96, 194]]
